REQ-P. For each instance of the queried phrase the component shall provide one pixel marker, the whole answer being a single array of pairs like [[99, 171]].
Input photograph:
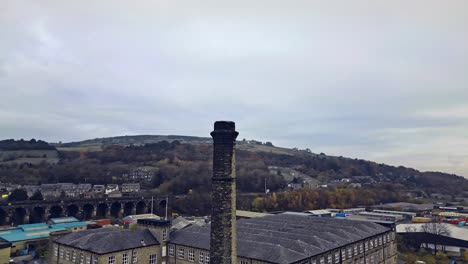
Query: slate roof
[[284, 238], [107, 240]]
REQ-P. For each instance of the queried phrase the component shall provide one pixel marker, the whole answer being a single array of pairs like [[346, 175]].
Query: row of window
[[355, 251], [371, 259], [151, 260], [203, 257], [347, 253], [65, 254]]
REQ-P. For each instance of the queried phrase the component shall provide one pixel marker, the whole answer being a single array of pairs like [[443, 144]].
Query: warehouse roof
[[36, 231], [249, 214], [284, 238], [62, 220], [319, 212], [107, 240], [453, 230], [406, 206]]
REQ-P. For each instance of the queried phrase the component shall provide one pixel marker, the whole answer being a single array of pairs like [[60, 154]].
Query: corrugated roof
[[284, 238], [452, 214], [319, 212], [30, 227], [37, 231], [250, 214], [140, 216], [64, 220]]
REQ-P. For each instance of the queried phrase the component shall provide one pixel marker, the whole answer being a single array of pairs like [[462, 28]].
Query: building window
[[361, 249], [380, 241], [73, 257], [201, 257], [366, 245], [55, 250], [337, 257], [355, 250], [350, 252], [322, 260], [207, 258], [343, 254], [191, 255], [125, 258], [371, 244], [111, 260], [81, 258], [61, 254], [164, 234], [134, 257], [152, 259], [314, 261], [88, 260], [95, 260], [67, 255], [181, 253], [171, 250], [329, 259], [244, 262]]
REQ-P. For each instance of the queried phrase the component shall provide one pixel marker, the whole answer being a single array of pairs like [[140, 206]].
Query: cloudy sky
[[379, 80]]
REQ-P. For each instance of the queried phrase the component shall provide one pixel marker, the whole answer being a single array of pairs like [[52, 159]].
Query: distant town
[[155, 198]]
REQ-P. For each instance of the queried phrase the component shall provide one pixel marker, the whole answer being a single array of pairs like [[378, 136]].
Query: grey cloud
[[382, 80]]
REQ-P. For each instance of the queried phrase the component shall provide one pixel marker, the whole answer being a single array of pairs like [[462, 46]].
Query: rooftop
[[319, 212], [154, 222], [140, 216], [63, 220], [107, 240], [284, 238], [249, 214], [454, 231], [407, 206], [37, 231]]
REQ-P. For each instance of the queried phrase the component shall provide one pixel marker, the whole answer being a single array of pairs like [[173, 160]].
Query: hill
[[27, 152], [98, 144], [181, 165]]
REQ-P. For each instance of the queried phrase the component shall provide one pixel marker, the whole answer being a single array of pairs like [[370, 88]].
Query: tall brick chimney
[[223, 247]]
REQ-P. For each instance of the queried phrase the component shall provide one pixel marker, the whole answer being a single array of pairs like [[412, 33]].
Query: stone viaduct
[[25, 212]]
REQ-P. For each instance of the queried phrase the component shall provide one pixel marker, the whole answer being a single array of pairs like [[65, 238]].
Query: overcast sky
[[379, 80]]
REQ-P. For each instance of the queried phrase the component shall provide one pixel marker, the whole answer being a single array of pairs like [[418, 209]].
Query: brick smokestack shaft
[[223, 247]]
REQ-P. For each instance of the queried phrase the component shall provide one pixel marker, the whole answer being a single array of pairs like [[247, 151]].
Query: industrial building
[[25, 238], [453, 237], [113, 245], [287, 238]]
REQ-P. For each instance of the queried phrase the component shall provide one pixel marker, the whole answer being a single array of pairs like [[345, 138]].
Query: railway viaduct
[[25, 212]]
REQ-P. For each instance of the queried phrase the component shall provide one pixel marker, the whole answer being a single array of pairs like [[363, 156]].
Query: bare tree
[[436, 228]]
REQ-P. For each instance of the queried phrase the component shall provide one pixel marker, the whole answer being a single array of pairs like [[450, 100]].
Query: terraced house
[[292, 239]]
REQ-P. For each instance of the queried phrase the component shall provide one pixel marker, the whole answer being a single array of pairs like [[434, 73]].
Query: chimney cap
[[225, 125]]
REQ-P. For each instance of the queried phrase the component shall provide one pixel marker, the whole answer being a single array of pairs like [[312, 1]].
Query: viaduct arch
[[25, 212]]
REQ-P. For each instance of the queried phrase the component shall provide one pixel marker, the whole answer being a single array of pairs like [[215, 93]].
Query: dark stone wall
[[223, 221]]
